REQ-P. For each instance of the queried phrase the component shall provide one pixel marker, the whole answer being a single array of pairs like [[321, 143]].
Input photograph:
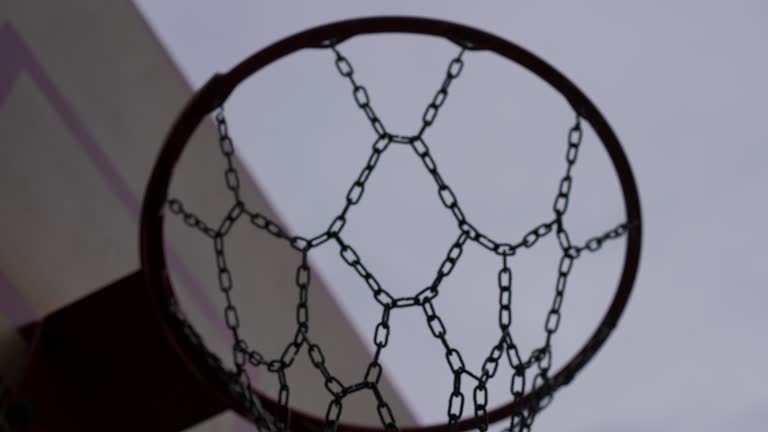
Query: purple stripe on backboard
[[9, 69], [20, 54], [13, 305], [19, 58]]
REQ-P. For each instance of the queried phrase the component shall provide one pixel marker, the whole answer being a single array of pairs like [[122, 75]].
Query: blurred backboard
[[87, 94]]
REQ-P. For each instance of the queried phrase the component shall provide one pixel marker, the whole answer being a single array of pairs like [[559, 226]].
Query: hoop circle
[[220, 86]]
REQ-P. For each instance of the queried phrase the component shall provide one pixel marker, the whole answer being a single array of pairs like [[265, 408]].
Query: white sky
[[684, 86]]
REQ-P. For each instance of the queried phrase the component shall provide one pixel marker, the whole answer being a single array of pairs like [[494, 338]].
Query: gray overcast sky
[[684, 84]]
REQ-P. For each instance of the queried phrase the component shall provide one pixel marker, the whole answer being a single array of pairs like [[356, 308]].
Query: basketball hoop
[[234, 386]]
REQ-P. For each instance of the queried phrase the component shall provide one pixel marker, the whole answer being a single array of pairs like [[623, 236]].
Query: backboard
[[87, 93]]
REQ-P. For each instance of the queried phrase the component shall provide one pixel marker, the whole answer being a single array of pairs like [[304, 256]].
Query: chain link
[[595, 243], [563, 194], [430, 113], [538, 362], [359, 92], [227, 147], [190, 219]]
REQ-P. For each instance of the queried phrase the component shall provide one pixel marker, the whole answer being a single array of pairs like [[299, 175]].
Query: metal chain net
[[538, 362]]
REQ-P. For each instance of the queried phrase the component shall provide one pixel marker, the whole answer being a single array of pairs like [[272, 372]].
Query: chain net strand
[[538, 362]]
